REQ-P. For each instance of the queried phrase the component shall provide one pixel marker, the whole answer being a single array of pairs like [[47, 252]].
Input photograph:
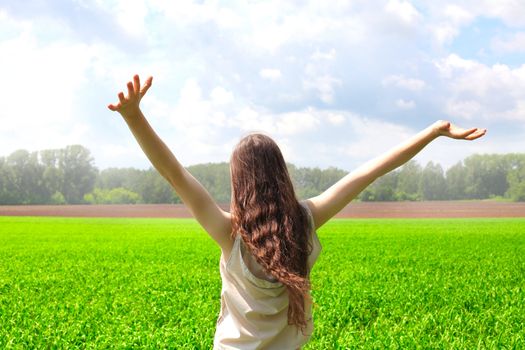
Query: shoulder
[[307, 204], [225, 240], [309, 207]]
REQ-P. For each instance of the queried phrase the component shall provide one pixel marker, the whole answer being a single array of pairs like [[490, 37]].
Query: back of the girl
[[265, 299], [254, 305]]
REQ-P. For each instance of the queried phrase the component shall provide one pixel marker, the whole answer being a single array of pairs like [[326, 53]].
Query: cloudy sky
[[334, 82]]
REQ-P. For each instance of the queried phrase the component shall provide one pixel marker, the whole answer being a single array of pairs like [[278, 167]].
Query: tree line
[[69, 176]]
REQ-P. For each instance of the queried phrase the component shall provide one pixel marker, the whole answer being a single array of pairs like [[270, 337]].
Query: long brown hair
[[270, 220]]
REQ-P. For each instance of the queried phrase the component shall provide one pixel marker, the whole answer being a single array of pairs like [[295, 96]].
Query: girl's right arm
[[335, 198], [212, 218]]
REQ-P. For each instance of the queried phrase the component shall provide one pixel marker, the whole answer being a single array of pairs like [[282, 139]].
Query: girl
[[268, 241]]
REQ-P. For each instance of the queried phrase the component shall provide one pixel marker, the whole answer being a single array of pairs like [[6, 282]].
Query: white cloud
[[373, 137], [404, 11], [131, 15], [320, 55], [220, 96], [475, 89], [403, 82], [512, 12], [199, 123], [188, 12], [324, 85], [198, 116], [316, 53], [248, 119], [515, 43], [405, 104], [280, 124], [296, 122], [265, 26], [458, 15], [335, 118], [42, 85], [464, 109], [191, 92], [446, 20], [117, 150], [452, 63], [270, 74]]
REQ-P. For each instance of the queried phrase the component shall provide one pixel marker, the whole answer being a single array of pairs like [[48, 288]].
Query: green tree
[[310, 182], [121, 195], [68, 175], [8, 193], [129, 178], [408, 181], [57, 198], [153, 188], [116, 195], [52, 178], [456, 181], [516, 177], [78, 173], [26, 177], [382, 189], [215, 177], [486, 175], [432, 185], [149, 185]]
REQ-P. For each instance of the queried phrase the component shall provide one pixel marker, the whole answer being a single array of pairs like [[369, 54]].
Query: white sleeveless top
[[254, 311]]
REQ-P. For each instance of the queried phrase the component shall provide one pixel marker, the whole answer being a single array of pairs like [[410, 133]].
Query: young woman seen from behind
[[268, 240]]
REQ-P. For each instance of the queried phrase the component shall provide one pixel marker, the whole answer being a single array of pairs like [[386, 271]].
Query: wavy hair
[[271, 222]]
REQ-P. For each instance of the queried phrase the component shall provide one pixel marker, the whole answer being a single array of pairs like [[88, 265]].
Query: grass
[[154, 283]]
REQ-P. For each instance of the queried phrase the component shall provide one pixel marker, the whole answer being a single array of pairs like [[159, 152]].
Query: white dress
[[254, 311]]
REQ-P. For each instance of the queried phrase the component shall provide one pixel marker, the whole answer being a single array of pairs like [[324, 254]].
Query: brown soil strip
[[437, 209]]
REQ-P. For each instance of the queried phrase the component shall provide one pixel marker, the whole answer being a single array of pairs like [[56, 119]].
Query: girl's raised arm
[[212, 218], [335, 198]]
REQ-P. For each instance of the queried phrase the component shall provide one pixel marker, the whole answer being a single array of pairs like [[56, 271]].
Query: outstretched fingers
[[464, 134], [121, 98], [477, 134], [134, 94], [136, 84], [147, 85], [131, 90]]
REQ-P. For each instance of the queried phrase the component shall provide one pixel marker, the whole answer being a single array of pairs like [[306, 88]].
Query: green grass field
[[154, 283]]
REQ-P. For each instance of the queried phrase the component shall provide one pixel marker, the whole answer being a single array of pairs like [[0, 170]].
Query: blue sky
[[335, 83]]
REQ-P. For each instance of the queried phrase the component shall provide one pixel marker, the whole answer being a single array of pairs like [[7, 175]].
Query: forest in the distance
[[69, 176]]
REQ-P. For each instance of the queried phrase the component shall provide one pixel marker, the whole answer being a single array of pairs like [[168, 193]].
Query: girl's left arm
[[213, 219], [335, 198]]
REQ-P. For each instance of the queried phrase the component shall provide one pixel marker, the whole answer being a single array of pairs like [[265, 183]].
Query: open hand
[[444, 128], [130, 103]]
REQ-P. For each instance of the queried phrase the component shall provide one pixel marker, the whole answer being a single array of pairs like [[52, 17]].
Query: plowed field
[[437, 209]]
